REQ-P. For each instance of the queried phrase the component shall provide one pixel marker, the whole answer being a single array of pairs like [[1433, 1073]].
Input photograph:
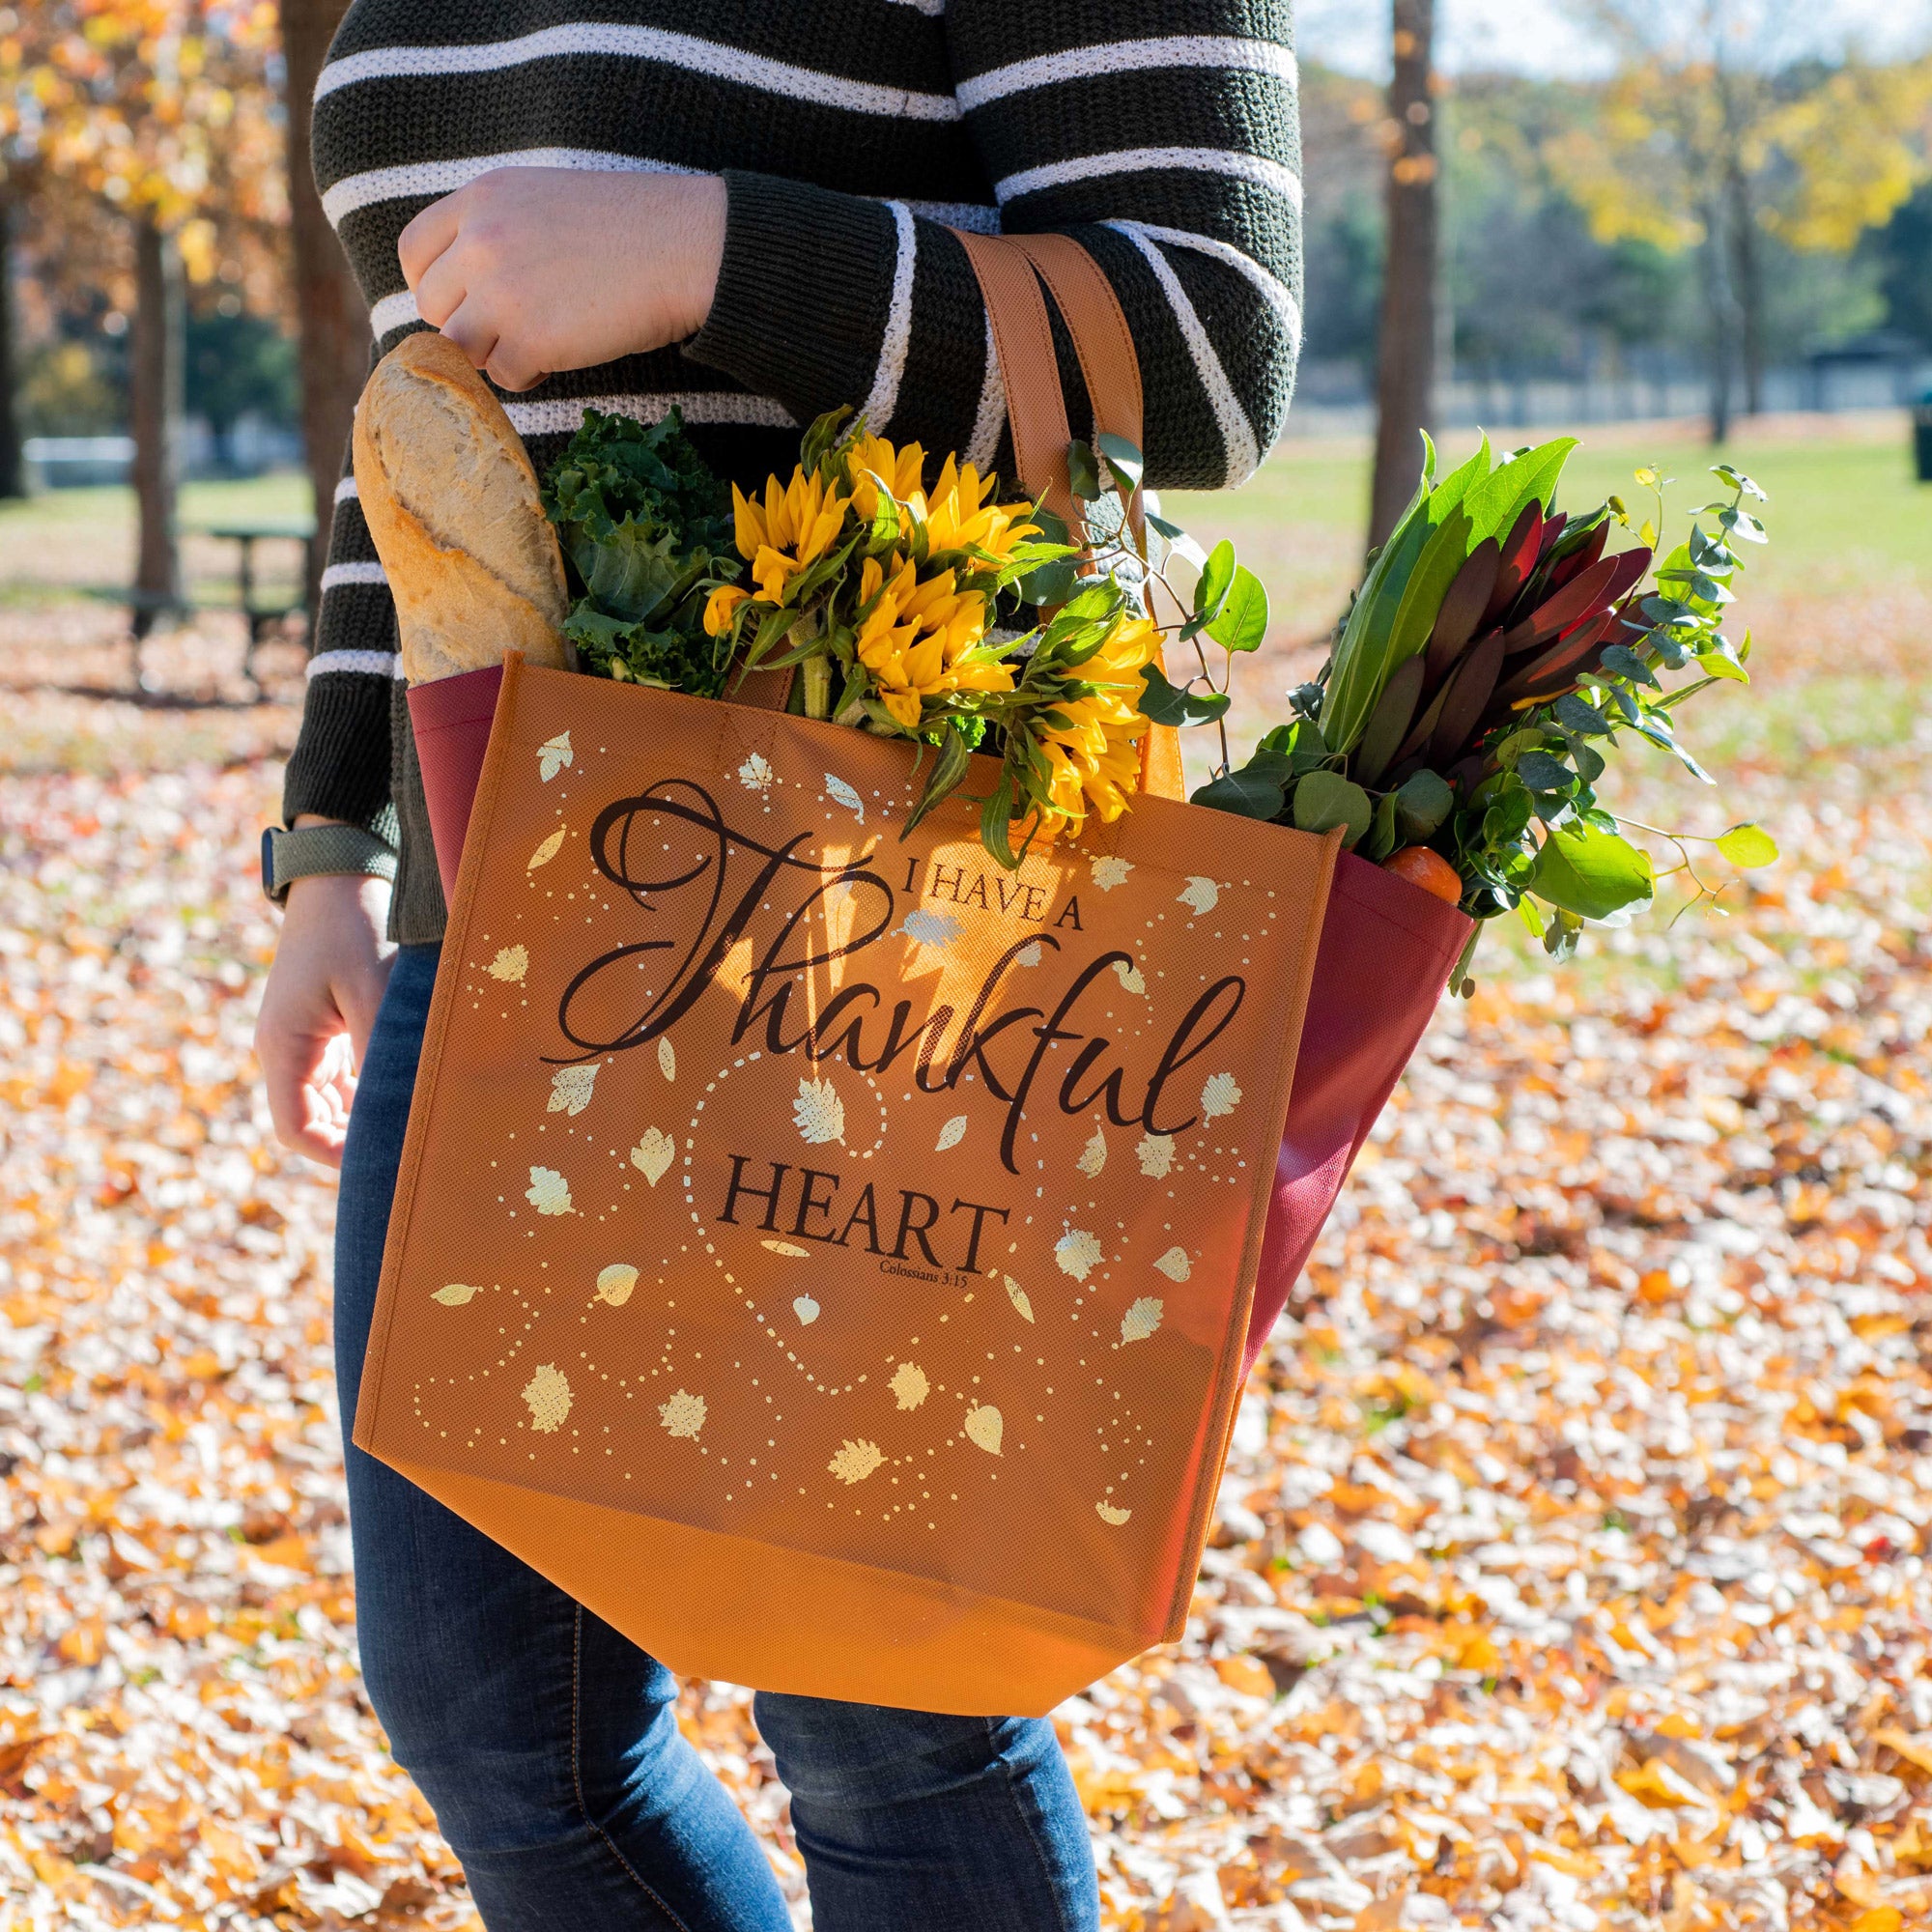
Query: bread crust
[[452, 502]]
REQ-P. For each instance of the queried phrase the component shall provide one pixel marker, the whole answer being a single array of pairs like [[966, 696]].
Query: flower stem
[[817, 686]]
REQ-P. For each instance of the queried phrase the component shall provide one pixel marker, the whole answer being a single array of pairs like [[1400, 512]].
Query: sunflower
[[794, 526], [921, 639], [1095, 753]]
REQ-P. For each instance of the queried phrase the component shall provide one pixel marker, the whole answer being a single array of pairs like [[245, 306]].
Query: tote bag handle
[[1010, 270]]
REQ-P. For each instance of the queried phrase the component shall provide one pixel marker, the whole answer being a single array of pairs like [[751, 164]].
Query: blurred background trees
[[1715, 218]]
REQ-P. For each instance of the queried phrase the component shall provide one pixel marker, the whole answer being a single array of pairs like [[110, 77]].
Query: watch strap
[[315, 850]]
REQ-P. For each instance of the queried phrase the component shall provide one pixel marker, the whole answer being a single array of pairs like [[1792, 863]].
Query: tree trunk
[[158, 365], [1721, 320], [13, 482], [1746, 286], [1406, 350], [334, 319]]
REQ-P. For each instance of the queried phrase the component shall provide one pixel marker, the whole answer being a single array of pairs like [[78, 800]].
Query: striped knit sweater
[[851, 134]]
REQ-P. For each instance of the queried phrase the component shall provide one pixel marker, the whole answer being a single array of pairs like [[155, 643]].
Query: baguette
[[452, 503]]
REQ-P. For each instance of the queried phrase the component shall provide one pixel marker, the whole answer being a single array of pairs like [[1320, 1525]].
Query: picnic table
[[246, 536]]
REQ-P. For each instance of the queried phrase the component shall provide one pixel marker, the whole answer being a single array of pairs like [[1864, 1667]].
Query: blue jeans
[[548, 1745]]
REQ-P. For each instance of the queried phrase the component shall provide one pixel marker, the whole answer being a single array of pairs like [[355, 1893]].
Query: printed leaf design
[[570, 1088], [1109, 1513], [931, 928], [1129, 976], [856, 1460], [806, 1309], [789, 1249], [1094, 1156], [1219, 1095], [909, 1384], [1201, 896], [755, 773], [615, 1283], [819, 1113], [1110, 873], [985, 1429], [548, 1394], [840, 793], [1155, 1155], [666, 1058], [455, 1294], [511, 963], [1077, 1252], [549, 1193], [1028, 955], [553, 754], [1018, 1295], [1175, 1264], [1141, 1318], [951, 1134], [548, 849], [683, 1414], [653, 1155]]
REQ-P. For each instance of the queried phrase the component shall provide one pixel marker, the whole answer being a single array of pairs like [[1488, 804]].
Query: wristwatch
[[316, 849]]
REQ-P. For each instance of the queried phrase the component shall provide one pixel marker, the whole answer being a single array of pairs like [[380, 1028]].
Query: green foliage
[[646, 531]]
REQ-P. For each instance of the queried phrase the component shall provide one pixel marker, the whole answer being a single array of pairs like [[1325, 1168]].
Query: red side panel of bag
[[451, 723], [1386, 952]]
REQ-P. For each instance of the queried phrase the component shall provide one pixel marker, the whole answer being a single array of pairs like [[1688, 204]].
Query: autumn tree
[[1701, 144], [1405, 342], [158, 118]]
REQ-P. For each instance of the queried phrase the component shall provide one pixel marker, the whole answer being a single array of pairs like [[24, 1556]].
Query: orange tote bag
[[823, 1253]]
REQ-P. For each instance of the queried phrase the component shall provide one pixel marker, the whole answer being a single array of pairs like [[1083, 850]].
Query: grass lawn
[[1845, 515], [69, 540]]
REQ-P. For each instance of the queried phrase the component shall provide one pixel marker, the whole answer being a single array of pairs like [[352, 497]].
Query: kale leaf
[[646, 530]]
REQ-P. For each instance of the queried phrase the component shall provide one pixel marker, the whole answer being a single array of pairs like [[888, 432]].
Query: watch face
[[269, 861]]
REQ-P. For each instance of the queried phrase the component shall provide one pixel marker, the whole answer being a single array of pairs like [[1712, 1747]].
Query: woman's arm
[[1168, 144], [1170, 149]]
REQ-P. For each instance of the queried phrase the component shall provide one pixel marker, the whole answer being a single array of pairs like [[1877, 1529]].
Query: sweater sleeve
[[341, 763], [1170, 151]]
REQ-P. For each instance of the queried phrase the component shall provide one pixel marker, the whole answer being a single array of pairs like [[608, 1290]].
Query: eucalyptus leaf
[[1166, 703], [1747, 847], [1180, 542], [1541, 772], [1243, 622], [1592, 873], [1083, 470], [1124, 459], [1422, 803], [1217, 579], [1324, 800], [1255, 791]]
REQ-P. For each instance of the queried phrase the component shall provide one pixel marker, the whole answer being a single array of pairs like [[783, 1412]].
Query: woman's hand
[[531, 269], [328, 979]]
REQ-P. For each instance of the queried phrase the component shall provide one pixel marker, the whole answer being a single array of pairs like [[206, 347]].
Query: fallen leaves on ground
[[1571, 1566]]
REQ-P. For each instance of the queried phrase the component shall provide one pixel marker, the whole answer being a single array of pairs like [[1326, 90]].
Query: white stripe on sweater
[[1167, 51], [563, 416], [345, 491], [369, 664], [932, 8], [1276, 293], [435, 178], [988, 419], [338, 576], [1238, 435], [639, 43], [392, 312], [1152, 160], [896, 338]]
